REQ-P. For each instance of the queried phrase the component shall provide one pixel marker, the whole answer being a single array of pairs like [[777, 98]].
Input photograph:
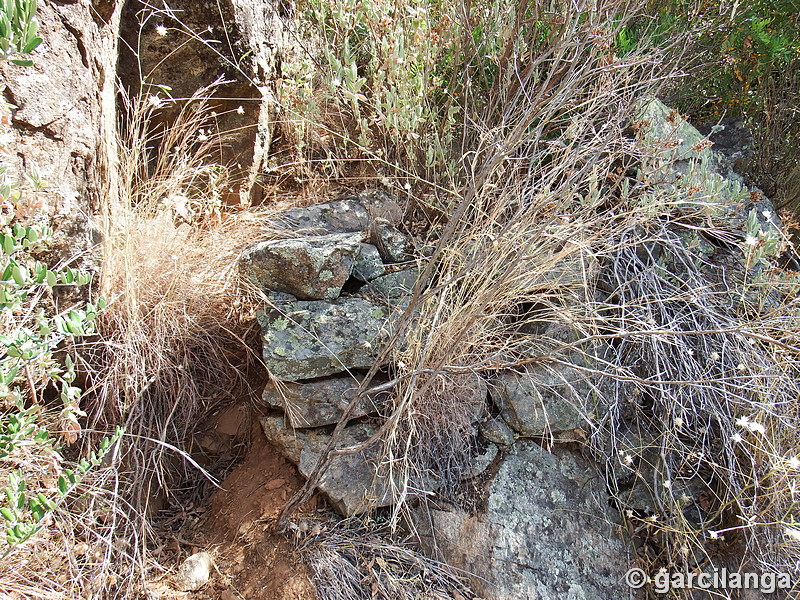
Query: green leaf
[[63, 485], [7, 515]]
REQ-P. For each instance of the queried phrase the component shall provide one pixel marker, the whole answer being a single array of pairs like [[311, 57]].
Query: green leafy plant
[[18, 30]]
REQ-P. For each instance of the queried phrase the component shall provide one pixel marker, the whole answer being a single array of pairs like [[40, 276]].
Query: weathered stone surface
[[178, 44], [310, 268], [346, 215], [547, 532], [368, 264], [393, 285], [63, 123], [351, 482], [309, 339], [194, 572], [364, 212], [496, 430], [548, 398], [543, 400], [685, 166], [481, 461], [394, 246], [322, 402]]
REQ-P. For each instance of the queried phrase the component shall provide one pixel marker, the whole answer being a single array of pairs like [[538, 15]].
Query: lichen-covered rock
[[322, 402], [546, 533], [310, 268], [351, 482], [544, 400], [368, 264], [394, 246], [393, 285], [496, 430], [308, 339], [346, 215]]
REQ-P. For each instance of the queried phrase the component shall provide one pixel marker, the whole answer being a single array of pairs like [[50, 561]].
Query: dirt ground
[[251, 560]]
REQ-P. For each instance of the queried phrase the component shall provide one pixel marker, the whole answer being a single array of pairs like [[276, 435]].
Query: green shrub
[[35, 365]]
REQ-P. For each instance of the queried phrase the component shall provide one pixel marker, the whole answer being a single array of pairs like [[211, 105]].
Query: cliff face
[[63, 116]]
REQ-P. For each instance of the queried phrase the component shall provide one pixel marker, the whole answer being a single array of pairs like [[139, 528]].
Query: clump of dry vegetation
[[508, 127]]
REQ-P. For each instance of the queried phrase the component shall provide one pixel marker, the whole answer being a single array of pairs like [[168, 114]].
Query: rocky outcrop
[[62, 113], [311, 268], [331, 330], [304, 340], [546, 532], [322, 402], [351, 482], [186, 46]]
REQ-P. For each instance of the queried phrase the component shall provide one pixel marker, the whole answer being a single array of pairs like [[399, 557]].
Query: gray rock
[[347, 215], [393, 285], [665, 128], [547, 532], [194, 572], [481, 461], [368, 264], [546, 399], [495, 430], [351, 482], [684, 165], [311, 268], [321, 402], [394, 246], [308, 339]]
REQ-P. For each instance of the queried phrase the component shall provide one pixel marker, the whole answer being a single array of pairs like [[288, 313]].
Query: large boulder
[[322, 402], [351, 482], [547, 532], [309, 268], [308, 339]]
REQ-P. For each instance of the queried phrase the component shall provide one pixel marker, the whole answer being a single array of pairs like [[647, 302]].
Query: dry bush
[[353, 561], [175, 341], [542, 195]]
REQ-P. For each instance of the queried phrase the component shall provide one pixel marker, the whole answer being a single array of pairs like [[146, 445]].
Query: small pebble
[[194, 572]]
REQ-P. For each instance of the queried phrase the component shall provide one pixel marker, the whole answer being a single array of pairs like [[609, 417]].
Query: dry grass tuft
[[352, 561]]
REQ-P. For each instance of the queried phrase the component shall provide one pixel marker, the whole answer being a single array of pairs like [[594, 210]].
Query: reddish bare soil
[[253, 562]]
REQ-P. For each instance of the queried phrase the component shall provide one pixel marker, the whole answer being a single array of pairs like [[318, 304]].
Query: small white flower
[[792, 533], [757, 428], [629, 513], [736, 438], [627, 459], [653, 518], [713, 534], [202, 136], [667, 484], [794, 463], [240, 110], [407, 186], [161, 30], [154, 101], [743, 422], [741, 367], [678, 422], [751, 240], [767, 214], [714, 356]]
